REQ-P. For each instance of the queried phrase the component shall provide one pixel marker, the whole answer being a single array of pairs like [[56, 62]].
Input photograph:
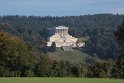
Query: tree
[[53, 47], [14, 57], [42, 68], [118, 70]]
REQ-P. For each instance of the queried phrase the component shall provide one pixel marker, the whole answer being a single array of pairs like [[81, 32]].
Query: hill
[[71, 56]]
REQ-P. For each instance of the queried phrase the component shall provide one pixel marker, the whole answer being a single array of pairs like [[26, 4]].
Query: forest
[[23, 41]]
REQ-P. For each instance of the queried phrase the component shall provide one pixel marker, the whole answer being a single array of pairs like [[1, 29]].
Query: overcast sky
[[60, 7]]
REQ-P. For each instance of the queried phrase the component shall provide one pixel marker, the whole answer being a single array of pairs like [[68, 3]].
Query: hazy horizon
[[60, 7]]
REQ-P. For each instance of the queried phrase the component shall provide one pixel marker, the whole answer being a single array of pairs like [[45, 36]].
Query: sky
[[60, 7]]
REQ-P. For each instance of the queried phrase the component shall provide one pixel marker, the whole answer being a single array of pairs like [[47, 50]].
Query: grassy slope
[[72, 56], [59, 80]]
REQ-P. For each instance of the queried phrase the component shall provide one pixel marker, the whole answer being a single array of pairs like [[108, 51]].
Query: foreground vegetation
[[59, 80]]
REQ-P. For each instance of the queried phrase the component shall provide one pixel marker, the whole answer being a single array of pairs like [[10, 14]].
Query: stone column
[[61, 30], [58, 31], [66, 31]]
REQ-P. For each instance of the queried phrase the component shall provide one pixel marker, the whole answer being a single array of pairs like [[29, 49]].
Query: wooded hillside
[[98, 29]]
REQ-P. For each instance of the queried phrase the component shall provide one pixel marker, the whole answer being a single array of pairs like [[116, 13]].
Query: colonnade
[[62, 31]]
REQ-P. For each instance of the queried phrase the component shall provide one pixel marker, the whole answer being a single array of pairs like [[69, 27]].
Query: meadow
[[58, 80], [71, 56]]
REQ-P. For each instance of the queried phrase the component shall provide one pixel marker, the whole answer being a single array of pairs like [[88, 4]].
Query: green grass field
[[72, 56], [59, 80]]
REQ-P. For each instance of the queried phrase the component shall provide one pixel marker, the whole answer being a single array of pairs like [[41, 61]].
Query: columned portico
[[61, 30]]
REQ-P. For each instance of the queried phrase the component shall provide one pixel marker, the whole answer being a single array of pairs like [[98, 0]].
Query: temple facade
[[61, 37]]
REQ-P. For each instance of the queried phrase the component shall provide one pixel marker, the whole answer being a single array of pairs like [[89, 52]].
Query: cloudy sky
[[60, 7]]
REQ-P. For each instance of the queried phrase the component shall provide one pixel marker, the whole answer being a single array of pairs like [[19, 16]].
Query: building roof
[[61, 27]]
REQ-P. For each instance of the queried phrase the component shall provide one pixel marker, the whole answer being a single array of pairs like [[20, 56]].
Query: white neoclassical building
[[62, 38]]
